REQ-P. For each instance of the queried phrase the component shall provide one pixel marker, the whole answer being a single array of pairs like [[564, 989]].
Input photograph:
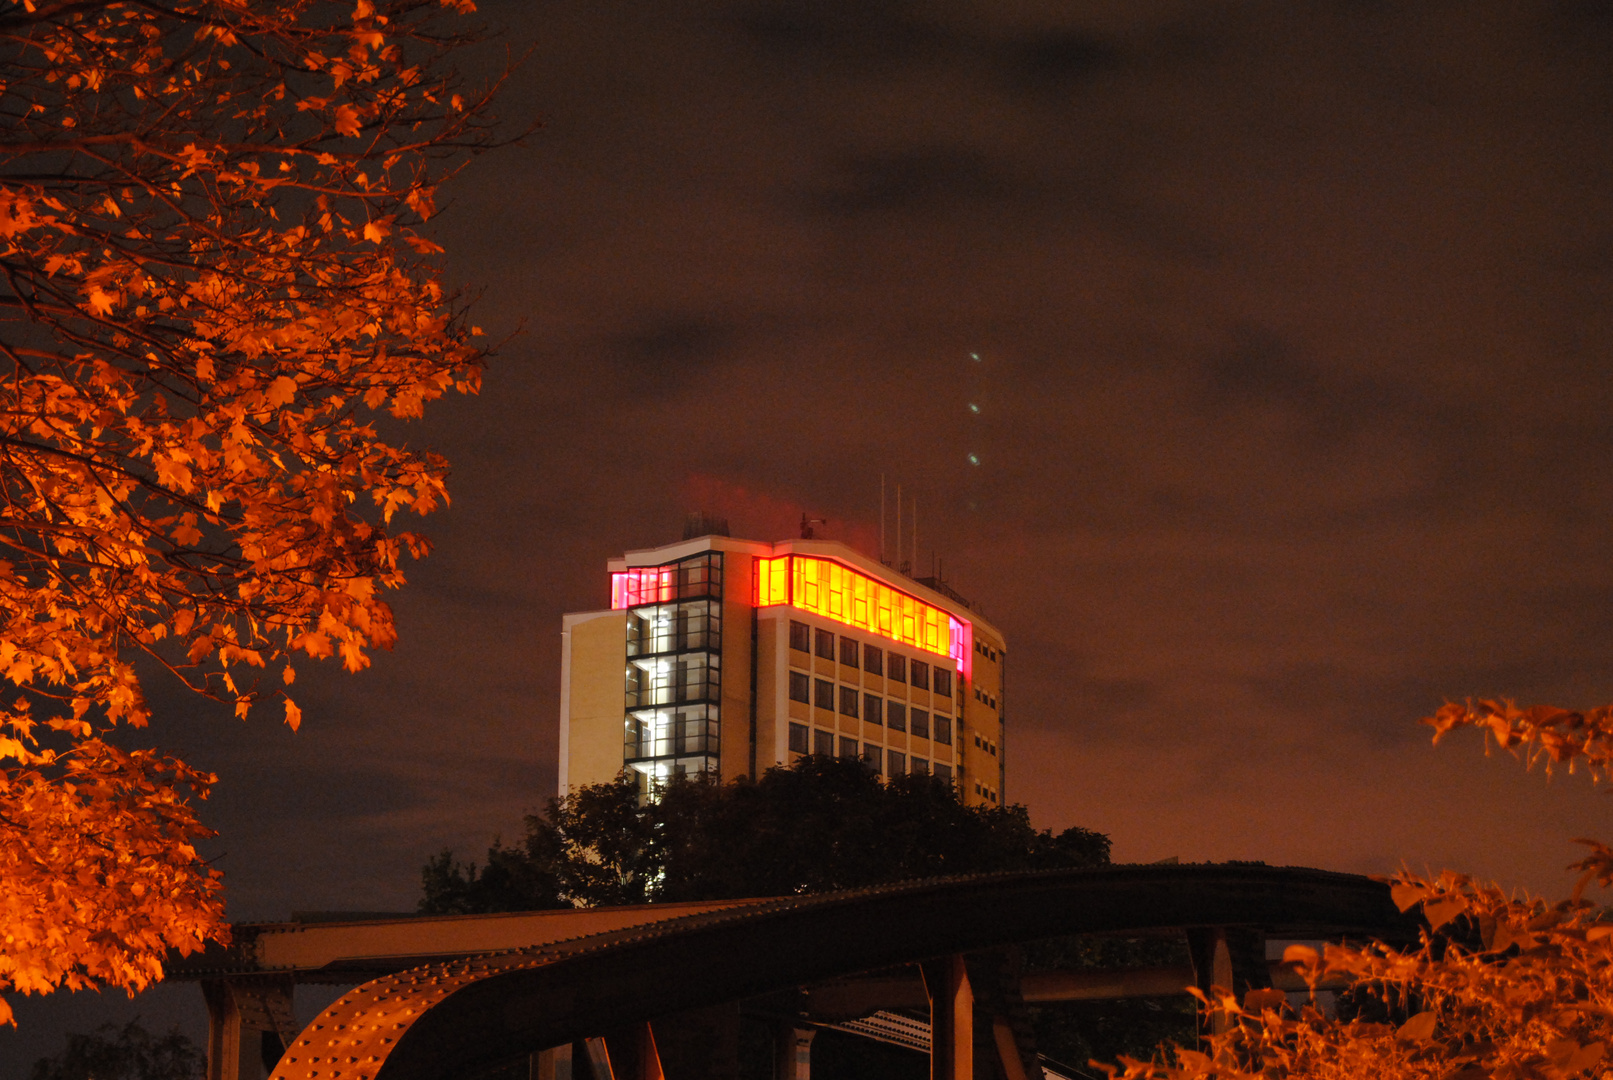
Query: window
[[896, 667], [920, 765], [672, 628], [687, 579], [667, 733], [825, 694], [921, 722], [824, 587], [800, 686], [943, 681], [800, 636], [826, 645], [673, 679], [871, 709], [848, 701], [873, 660], [823, 743], [871, 756], [943, 730], [848, 748], [895, 763], [943, 772], [920, 672], [798, 739], [895, 716], [848, 651]]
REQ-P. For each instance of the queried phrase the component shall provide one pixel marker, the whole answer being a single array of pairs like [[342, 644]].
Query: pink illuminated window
[[651, 585]]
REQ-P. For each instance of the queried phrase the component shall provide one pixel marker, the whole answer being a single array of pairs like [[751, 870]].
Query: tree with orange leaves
[[213, 289], [1502, 987]]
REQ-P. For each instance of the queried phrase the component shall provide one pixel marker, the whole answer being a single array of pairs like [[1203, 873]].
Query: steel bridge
[[643, 993]]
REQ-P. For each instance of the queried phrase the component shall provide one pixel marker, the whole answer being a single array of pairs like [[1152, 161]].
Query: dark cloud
[[924, 180], [1055, 62], [1259, 369], [666, 353], [869, 34]]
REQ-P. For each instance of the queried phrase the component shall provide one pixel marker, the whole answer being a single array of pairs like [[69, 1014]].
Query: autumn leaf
[[1258, 1001], [347, 122], [283, 391], [1419, 1028], [1441, 911]]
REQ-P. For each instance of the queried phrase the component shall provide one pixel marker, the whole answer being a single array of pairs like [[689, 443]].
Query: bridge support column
[[249, 1025], [599, 1063], [952, 1019], [1002, 1033], [649, 1058], [224, 1032], [1212, 967], [551, 1064], [792, 1052]]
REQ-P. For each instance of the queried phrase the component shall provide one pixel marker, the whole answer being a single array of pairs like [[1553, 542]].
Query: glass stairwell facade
[[674, 666]]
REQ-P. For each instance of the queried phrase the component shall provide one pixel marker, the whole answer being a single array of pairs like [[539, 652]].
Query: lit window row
[[659, 733], [669, 680], [686, 579], [668, 628], [827, 588], [878, 760], [874, 660], [665, 770]]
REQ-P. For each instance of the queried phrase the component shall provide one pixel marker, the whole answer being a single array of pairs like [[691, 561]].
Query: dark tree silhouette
[[819, 825], [127, 1053]]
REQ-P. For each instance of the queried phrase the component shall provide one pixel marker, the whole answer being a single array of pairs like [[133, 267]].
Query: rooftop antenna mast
[[882, 520], [913, 549], [898, 526]]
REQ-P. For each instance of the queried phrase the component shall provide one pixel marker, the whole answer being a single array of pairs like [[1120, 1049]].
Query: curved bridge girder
[[442, 1020]]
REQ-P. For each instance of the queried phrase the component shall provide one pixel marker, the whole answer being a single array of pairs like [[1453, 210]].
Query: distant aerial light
[[975, 357], [973, 407], [973, 460]]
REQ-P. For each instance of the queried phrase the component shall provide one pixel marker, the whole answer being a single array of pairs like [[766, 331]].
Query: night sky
[[1293, 327]]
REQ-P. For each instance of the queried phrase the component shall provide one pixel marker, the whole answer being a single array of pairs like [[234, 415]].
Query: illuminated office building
[[730, 656]]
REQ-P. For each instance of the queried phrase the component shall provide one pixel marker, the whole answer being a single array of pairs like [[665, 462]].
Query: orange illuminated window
[[827, 588]]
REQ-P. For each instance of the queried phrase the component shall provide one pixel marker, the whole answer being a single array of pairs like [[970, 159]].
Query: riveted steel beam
[[454, 1019]]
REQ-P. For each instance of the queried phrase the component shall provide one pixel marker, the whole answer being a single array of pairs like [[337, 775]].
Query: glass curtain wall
[[674, 674]]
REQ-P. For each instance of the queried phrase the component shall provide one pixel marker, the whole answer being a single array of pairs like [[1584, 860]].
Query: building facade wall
[[982, 745], [594, 647], [771, 704], [735, 755]]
